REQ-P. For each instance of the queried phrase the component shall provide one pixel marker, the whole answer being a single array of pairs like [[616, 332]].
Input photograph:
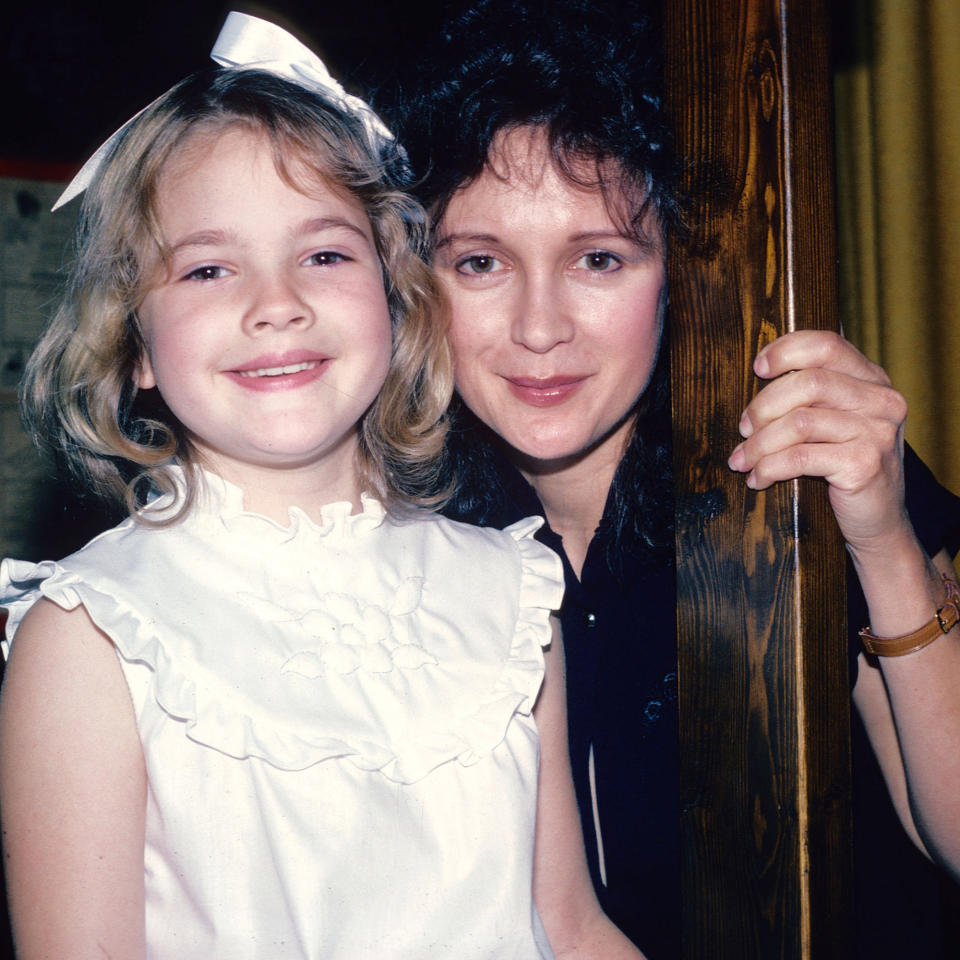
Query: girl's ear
[[144, 377]]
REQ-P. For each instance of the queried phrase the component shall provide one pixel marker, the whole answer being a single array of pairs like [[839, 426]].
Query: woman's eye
[[326, 258], [206, 272], [477, 264], [600, 261]]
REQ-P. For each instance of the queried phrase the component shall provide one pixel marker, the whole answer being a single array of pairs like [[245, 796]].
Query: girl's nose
[[542, 318], [277, 304]]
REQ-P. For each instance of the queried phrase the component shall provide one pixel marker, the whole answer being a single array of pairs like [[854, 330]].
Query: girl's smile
[[283, 372], [268, 333]]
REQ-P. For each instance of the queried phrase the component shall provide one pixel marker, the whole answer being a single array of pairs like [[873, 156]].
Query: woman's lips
[[546, 392], [283, 372]]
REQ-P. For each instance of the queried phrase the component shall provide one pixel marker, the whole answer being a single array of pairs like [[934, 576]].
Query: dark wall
[[71, 73]]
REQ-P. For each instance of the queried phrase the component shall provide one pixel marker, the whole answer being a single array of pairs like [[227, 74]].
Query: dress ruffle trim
[[226, 726], [222, 502], [541, 591]]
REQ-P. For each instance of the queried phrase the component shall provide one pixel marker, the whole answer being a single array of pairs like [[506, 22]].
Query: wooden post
[[764, 695]]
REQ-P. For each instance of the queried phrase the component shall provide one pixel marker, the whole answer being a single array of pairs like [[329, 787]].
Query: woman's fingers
[[848, 465], [865, 476], [816, 349], [819, 442], [821, 387]]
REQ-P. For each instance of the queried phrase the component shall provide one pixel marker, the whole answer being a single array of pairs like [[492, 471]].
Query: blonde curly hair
[[79, 393]]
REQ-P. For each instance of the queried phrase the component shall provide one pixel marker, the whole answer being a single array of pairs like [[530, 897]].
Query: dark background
[[72, 72]]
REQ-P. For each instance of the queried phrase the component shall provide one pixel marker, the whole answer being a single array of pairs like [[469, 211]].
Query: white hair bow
[[249, 43]]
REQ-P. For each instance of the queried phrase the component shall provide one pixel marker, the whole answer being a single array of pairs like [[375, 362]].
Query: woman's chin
[[549, 457], [556, 452], [545, 449]]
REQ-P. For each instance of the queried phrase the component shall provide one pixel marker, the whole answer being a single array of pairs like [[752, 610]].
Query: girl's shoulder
[[485, 556], [23, 583], [470, 534]]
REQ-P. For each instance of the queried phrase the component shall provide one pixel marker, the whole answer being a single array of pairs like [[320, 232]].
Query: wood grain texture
[[764, 698]]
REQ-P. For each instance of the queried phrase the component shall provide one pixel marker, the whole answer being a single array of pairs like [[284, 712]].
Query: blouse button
[[590, 619]]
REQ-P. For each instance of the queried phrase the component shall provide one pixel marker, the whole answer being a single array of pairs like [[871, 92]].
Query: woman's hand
[[829, 412]]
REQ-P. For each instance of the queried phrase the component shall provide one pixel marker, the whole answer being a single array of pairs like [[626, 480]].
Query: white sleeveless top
[[335, 718]]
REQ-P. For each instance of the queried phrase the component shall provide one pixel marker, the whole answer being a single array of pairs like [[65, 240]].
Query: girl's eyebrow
[[319, 224], [214, 238], [202, 238]]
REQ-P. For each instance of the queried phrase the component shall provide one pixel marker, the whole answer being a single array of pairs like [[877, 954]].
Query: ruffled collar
[[222, 500]]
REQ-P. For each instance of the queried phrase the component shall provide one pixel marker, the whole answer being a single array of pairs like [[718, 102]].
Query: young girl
[[269, 715]]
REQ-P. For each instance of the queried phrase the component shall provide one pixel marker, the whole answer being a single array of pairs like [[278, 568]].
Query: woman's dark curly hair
[[588, 75]]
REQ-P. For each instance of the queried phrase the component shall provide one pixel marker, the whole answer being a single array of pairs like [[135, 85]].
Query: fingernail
[[761, 366], [737, 460], [745, 426]]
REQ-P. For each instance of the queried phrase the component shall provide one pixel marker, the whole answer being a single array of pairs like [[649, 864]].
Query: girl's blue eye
[[326, 258], [477, 264], [206, 272], [601, 261]]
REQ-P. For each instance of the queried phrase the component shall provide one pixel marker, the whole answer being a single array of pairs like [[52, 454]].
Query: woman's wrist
[[901, 585], [943, 621]]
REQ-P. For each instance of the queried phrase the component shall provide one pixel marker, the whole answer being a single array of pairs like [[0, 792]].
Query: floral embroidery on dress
[[343, 634]]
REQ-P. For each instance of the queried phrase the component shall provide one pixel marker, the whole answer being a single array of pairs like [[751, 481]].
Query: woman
[[546, 168]]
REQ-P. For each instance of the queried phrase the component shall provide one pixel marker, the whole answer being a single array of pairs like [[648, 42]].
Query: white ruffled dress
[[336, 725]]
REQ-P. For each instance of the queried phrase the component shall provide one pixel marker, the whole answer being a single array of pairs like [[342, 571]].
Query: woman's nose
[[276, 304], [542, 318]]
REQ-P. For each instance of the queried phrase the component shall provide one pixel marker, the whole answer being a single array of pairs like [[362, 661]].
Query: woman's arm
[[910, 707], [562, 889], [72, 792], [831, 413]]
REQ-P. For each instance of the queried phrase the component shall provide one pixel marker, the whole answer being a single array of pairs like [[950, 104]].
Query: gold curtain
[[898, 187]]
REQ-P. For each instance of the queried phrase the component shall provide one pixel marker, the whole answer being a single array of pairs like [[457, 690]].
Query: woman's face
[[556, 314]]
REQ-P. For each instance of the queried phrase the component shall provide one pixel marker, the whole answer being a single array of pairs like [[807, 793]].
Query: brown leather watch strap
[[944, 620]]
